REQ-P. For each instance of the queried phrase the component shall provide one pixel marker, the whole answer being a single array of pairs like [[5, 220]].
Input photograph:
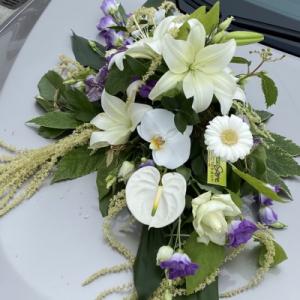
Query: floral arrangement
[[161, 117]]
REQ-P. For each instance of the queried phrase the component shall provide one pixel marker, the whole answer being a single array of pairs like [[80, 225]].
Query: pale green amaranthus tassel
[[23, 174]]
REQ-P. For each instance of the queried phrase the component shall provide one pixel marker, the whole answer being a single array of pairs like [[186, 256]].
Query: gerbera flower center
[[157, 143], [229, 137]]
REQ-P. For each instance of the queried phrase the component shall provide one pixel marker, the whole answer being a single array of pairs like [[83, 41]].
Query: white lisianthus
[[117, 122], [203, 71], [209, 212], [170, 147], [126, 170], [229, 138], [153, 200], [164, 253], [147, 47]]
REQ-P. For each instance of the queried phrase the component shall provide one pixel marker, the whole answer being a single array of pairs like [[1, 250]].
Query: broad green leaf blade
[[46, 105], [147, 275], [257, 162], [49, 86], [84, 53], [257, 184], [50, 133], [211, 292], [285, 144], [240, 60], [269, 88], [78, 163], [274, 179], [57, 119], [264, 115], [280, 255], [282, 163], [208, 257], [180, 122]]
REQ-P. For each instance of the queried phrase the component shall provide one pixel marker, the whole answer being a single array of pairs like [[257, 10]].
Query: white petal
[[166, 83], [197, 34], [136, 112], [132, 90], [157, 122], [215, 58], [174, 153], [102, 121], [199, 86], [141, 49], [115, 108], [117, 59], [224, 89], [141, 191], [177, 54], [240, 94]]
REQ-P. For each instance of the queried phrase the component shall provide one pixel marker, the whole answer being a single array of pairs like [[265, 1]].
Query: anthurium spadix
[[202, 70], [117, 122], [154, 200]]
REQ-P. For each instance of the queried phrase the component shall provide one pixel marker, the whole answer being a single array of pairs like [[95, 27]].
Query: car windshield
[[290, 8]]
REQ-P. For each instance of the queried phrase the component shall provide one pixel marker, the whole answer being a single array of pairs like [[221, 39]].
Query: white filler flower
[[202, 70], [229, 138], [170, 147], [153, 200], [117, 122], [209, 212]]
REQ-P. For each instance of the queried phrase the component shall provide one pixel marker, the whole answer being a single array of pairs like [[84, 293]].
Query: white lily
[[147, 47], [202, 70], [170, 147], [154, 204], [117, 122]]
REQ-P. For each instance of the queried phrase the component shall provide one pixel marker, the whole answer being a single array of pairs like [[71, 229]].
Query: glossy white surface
[[51, 243]]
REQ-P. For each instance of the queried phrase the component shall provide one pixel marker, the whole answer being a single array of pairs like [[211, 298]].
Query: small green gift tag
[[217, 170]]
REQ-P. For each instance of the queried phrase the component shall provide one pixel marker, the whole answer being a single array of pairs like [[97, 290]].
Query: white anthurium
[[203, 71], [170, 147], [147, 47], [117, 122], [210, 212], [154, 200]]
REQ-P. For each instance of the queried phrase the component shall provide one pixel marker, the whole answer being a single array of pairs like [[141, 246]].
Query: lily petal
[[197, 34], [102, 121], [215, 58], [136, 112]]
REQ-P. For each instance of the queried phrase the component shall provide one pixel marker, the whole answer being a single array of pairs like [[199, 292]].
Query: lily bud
[[218, 38], [278, 225], [110, 181], [164, 253], [126, 170], [243, 37], [226, 23]]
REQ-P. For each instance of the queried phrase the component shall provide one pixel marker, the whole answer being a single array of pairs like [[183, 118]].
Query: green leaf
[[264, 115], [208, 257], [138, 67], [257, 162], [273, 179], [57, 119], [50, 133], [46, 105], [257, 184], [147, 275], [77, 163], [85, 55], [185, 172], [285, 144], [79, 104], [49, 86], [154, 3], [280, 255], [180, 122], [269, 88], [236, 199], [281, 162], [211, 292], [240, 60]]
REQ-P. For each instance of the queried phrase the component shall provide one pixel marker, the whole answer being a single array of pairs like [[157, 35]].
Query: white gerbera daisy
[[229, 138]]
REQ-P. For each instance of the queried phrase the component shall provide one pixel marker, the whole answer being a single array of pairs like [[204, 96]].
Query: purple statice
[[267, 215], [114, 39], [240, 232], [147, 88], [109, 7], [179, 265], [147, 163], [94, 84], [106, 22]]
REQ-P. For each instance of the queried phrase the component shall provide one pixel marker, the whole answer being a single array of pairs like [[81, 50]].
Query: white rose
[[126, 170], [164, 253], [209, 213]]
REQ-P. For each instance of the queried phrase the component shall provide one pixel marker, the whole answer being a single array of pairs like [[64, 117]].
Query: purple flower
[[267, 215], [240, 232], [147, 163], [147, 88], [113, 38], [106, 22], [94, 84], [109, 7], [265, 201], [179, 265]]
